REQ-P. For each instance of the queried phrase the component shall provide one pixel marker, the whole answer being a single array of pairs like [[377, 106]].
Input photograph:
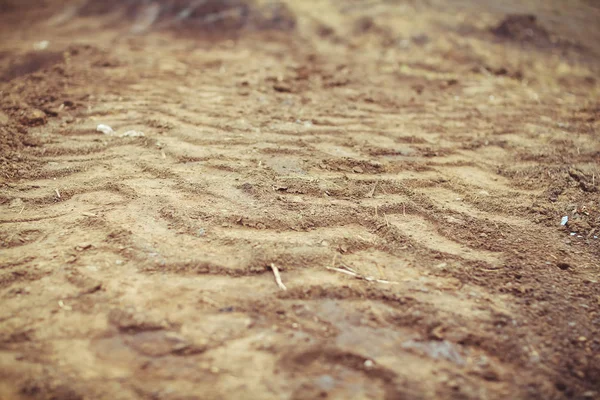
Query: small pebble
[[42, 45], [107, 130]]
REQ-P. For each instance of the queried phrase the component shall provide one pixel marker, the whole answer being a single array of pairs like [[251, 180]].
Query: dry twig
[[277, 277], [348, 271]]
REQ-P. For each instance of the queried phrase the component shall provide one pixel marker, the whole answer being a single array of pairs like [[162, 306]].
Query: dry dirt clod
[[564, 266], [33, 117]]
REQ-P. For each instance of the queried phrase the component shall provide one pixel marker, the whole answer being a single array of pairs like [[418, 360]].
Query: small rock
[[65, 307], [358, 170], [454, 220], [282, 88], [564, 220], [369, 364], [441, 266], [83, 246]]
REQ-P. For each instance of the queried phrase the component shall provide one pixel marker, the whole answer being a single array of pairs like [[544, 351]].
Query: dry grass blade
[[372, 191]]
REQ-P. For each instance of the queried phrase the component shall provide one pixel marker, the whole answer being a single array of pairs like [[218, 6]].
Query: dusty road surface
[[404, 165]]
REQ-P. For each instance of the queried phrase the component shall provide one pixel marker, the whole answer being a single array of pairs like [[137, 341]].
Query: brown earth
[[404, 164]]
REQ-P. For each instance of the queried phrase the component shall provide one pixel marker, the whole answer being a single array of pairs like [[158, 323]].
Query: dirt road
[[404, 165]]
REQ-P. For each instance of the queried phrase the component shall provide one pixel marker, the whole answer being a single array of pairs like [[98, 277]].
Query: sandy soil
[[405, 165]]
